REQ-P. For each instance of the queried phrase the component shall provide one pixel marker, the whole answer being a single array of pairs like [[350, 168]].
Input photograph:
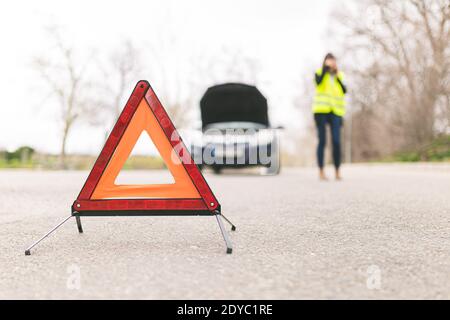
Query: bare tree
[[181, 82], [398, 60], [120, 71], [64, 76], [228, 64], [171, 75], [225, 64]]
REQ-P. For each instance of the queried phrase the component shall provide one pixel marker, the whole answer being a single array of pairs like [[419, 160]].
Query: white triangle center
[[144, 166]]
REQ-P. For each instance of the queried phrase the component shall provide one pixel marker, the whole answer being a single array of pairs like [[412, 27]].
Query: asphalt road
[[383, 232]]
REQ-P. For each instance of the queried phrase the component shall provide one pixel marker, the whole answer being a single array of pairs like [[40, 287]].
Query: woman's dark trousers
[[335, 122]]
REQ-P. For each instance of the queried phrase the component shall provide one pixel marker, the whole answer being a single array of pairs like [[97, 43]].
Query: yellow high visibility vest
[[330, 96]]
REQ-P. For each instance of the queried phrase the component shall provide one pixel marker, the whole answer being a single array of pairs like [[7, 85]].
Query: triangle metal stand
[[219, 216], [28, 250], [225, 235]]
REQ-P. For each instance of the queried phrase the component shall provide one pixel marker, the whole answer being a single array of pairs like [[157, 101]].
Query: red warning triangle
[[189, 194]]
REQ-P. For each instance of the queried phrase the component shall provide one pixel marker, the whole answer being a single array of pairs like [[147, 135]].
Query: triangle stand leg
[[233, 227], [80, 227], [224, 234], [28, 250]]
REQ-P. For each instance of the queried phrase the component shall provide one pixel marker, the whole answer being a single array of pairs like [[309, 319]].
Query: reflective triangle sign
[[189, 194]]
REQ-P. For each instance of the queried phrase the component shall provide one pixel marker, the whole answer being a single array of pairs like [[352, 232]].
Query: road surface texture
[[383, 232]]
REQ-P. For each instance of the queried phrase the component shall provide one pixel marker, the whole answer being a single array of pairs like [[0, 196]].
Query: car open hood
[[233, 102]]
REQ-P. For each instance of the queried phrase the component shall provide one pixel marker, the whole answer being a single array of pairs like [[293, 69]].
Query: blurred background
[[67, 69]]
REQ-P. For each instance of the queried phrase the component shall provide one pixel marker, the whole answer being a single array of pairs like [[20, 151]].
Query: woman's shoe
[[322, 175]]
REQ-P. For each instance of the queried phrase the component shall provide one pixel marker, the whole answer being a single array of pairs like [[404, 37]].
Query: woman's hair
[[328, 56]]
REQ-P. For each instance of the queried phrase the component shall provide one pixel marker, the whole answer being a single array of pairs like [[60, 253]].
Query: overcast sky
[[286, 37]]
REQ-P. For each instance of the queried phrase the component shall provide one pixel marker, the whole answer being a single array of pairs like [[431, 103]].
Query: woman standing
[[329, 108]]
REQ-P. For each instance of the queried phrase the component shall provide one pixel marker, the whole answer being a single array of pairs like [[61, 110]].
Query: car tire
[[217, 170], [271, 171]]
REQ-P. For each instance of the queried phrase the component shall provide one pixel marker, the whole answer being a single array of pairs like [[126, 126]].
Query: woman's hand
[[332, 65]]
